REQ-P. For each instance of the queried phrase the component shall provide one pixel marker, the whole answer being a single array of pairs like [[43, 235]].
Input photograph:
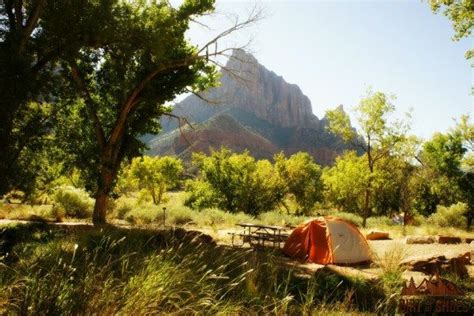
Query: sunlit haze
[[335, 50]]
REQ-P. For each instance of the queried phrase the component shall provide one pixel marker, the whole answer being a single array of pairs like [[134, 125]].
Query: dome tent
[[327, 240]]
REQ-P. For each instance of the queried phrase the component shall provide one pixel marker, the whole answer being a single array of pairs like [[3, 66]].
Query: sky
[[335, 50]]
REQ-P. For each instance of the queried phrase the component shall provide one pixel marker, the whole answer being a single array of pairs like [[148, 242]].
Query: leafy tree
[[346, 182], [35, 35], [238, 182], [377, 137], [143, 61], [451, 180], [302, 177], [156, 174], [461, 14]]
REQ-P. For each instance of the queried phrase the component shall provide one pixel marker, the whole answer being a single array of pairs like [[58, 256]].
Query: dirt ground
[[381, 247]]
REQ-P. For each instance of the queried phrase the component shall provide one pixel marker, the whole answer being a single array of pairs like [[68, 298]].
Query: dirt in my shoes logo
[[434, 295]]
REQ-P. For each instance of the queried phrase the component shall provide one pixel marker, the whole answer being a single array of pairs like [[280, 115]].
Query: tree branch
[[34, 17], [19, 14], [181, 120], [90, 109], [11, 16]]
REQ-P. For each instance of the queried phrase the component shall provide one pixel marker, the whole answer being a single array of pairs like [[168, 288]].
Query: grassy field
[[82, 270], [138, 265]]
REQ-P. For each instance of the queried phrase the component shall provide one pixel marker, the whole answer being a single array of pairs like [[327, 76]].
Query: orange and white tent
[[327, 240]]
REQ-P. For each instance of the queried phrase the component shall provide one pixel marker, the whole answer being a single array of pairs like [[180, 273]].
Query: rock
[[432, 265], [192, 236], [277, 115], [420, 240], [377, 236], [469, 241], [449, 240]]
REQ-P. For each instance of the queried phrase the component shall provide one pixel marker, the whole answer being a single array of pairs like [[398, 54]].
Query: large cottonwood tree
[[142, 61], [377, 136]]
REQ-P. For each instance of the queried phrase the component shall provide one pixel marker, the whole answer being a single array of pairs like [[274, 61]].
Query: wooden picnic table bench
[[257, 235]]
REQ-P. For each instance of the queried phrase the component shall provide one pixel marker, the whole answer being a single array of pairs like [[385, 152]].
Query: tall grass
[[132, 271]]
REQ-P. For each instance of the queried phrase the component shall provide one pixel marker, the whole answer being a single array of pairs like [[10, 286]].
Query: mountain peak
[[272, 115]]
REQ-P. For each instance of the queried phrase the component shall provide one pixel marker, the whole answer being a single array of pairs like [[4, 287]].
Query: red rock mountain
[[254, 109]]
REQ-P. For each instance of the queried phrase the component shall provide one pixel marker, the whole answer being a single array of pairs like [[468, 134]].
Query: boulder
[[420, 240], [435, 265], [449, 240]]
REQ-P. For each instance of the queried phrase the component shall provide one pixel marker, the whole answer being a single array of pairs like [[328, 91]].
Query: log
[[448, 240], [377, 236], [420, 240]]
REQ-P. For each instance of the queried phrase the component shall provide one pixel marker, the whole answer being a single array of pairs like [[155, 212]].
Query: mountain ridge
[[257, 110]]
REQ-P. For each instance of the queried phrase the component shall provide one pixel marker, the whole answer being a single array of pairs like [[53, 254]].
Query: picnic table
[[256, 235]]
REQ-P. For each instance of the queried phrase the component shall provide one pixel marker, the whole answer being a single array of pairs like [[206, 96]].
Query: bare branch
[[182, 122], [203, 98], [254, 16]]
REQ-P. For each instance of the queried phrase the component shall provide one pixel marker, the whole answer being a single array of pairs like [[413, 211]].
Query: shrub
[[449, 216], [75, 202], [200, 194], [379, 221], [123, 205], [236, 182]]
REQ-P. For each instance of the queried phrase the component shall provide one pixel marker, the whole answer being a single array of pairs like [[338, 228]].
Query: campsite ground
[[272, 283]]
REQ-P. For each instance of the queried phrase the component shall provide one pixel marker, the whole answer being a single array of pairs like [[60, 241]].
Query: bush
[[453, 215], [379, 221], [235, 183], [200, 195], [73, 201], [123, 205]]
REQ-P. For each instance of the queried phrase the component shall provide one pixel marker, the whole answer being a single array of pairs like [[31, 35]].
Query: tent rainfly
[[327, 240]]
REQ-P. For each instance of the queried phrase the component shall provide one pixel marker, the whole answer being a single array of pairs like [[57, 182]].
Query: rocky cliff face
[[253, 108], [249, 86]]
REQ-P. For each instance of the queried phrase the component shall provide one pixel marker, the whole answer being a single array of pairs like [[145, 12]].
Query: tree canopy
[[377, 137]]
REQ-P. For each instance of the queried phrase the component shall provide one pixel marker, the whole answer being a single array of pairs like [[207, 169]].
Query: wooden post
[[164, 216]]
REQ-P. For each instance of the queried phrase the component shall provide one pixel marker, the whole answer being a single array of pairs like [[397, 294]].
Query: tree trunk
[[104, 186], [100, 207], [366, 211], [153, 196]]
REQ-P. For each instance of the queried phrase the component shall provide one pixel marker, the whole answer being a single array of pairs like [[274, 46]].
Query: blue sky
[[335, 50]]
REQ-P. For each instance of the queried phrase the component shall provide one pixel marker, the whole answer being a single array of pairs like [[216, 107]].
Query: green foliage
[[452, 216], [444, 153], [302, 178], [155, 174], [235, 182], [346, 182], [461, 14], [73, 202], [377, 137], [446, 177], [200, 194]]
